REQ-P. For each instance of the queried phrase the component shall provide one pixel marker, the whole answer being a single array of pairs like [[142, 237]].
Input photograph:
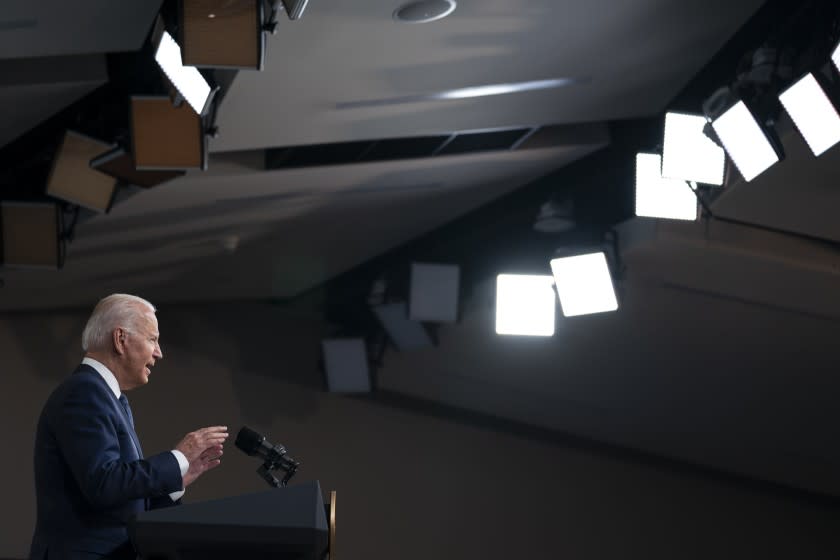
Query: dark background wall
[[410, 485]]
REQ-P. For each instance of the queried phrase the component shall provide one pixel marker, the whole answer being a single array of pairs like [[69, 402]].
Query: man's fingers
[[212, 453], [194, 443], [213, 430]]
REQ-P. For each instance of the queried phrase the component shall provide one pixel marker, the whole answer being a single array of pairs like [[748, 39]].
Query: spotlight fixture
[[222, 33], [72, 179], [658, 197], [525, 305], [746, 142], [166, 137], [813, 113], [187, 80], [688, 154], [30, 235], [584, 284]]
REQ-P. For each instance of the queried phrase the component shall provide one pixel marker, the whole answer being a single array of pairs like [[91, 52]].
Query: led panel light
[[434, 292], [166, 137], [584, 284], [222, 33], [657, 197], [835, 57], [688, 154], [745, 141], [71, 177], [525, 305], [29, 235], [186, 79], [345, 362], [812, 113]]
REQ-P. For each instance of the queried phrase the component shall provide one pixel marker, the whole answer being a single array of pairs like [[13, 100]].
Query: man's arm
[[87, 436]]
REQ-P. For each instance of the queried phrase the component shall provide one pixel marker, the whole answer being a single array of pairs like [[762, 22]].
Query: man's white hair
[[116, 310]]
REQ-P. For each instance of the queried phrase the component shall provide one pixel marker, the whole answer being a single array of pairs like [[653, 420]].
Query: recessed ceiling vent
[[424, 11]]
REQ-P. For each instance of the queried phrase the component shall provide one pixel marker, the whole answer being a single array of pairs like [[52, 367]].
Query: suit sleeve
[[87, 436]]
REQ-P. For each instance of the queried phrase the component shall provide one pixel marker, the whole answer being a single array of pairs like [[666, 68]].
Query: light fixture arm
[[273, 7]]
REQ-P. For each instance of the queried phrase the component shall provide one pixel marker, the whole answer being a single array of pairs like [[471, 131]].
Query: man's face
[[142, 349]]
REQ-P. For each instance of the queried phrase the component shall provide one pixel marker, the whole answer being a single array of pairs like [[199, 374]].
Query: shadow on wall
[[259, 345], [51, 341]]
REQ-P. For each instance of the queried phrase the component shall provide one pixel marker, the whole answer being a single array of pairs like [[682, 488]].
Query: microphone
[[274, 456]]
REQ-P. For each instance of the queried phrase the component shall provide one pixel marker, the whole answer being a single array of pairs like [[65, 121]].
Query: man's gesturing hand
[[208, 459], [197, 442]]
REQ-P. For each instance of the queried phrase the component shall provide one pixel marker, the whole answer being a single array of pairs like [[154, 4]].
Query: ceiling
[[348, 72]]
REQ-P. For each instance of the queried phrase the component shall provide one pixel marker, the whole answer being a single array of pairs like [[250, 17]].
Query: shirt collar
[[106, 374]]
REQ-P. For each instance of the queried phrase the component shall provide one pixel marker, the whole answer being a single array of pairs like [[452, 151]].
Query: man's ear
[[118, 339]]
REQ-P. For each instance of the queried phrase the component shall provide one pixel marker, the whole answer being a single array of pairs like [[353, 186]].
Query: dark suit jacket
[[90, 475]]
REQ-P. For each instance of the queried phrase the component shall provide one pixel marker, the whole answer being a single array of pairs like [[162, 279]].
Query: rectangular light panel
[[812, 113], [745, 141], [657, 197], [165, 137], [186, 79], [525, 305], [71, 177], [346, 365], [688, 154], [584, 284], [835, 57], [434, 292], [222, 33], [29, 235]]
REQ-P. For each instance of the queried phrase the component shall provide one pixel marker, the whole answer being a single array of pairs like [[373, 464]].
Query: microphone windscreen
[[248, 440]]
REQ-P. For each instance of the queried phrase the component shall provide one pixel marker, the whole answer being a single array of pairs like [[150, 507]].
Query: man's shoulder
[[84, 378]]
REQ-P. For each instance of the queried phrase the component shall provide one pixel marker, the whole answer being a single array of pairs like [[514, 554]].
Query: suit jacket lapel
[[117, 405]]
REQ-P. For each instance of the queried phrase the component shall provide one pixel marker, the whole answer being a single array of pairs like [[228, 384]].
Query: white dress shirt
[[111, 380]]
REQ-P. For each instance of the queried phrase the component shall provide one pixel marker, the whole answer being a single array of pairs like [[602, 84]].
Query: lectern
[[279, 524]]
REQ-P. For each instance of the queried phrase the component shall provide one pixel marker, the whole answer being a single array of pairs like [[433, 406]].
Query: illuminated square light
[[835, 57], [688, 154], [812, 113], [186, 79], [525, 305], [584, 284], [657, 197], [745, 141]]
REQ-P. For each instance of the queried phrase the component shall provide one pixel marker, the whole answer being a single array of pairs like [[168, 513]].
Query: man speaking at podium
[[91, 475]]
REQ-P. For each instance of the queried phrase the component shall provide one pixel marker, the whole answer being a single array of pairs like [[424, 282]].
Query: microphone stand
[[278, 461]]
